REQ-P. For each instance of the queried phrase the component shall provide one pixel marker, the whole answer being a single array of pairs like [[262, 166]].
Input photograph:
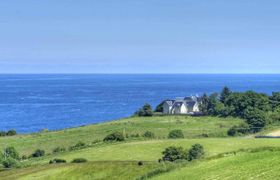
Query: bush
[[173, 153], [149, 134], [116, 136], [11, 132], [146, 110], [57, 161], [9, 162], [174, 134], [79, 160], [77, 146], [59, 149], [11, 152], [239, 130], [196, 152], [140, 163], [2, 133], [38, 153]]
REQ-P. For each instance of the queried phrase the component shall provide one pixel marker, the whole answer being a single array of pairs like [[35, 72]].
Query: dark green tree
[[196, 152], [173, 153], [275, 100], [159, 107], [225, 94], [146, 110], [203, 106], [255, 118]]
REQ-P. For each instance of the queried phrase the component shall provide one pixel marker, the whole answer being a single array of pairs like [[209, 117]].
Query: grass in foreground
[[90, 170], [192, 127], [260, 165]]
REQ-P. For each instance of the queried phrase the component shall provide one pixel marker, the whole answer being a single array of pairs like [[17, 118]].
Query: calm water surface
[[29, 103]]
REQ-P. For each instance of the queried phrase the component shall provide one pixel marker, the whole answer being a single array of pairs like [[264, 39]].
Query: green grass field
[[90, 170], [260, 165], [151, 150], [160, 125], [119, 160]]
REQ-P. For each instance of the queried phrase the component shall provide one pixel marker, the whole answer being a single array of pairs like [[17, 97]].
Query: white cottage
[[187, 105]]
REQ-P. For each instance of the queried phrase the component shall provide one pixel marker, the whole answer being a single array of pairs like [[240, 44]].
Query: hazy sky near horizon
[[140, 36]]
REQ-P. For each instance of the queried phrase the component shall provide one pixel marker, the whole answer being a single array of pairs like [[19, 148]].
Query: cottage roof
[[169, 102]]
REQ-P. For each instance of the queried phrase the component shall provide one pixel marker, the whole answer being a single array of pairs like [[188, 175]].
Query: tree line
[[257, 109]]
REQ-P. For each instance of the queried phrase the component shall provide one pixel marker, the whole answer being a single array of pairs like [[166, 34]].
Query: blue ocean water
[[30, 103]]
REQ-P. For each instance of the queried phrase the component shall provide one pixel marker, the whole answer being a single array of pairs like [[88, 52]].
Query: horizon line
[[117, 73]]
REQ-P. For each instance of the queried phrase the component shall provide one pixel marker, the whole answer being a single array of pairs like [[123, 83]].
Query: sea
[[33, 102]]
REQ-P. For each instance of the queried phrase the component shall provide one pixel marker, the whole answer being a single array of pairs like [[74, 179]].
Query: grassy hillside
[[260, 165], [151, 150], [90, 170], [119, 160], [160, 125]]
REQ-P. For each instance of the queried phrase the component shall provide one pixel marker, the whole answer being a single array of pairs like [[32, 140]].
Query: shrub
[[196, 152], [59, 149], [79, 160], [57, 161], [11, 152], [2, 133], [140, 163], [11, 132], [116, 136], [174, 134], [146, 110], [239, 130], [149, 134], [9, 162], [38, 153], [173, 153], [77, 146]]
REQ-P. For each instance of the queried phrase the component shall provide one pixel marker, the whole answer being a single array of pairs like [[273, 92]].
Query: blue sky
[[140, 36]]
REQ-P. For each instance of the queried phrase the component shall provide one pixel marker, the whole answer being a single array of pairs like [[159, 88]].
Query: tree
[[11, 132], [225, 94], [116, 136], [275, 100], [146, 110], [173, 153], [159, 107], [11, 152], [174, 134], [255, 118], [203, 106], [196, 152]]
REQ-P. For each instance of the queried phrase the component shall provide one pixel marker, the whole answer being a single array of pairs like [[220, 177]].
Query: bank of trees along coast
[[257, 109]]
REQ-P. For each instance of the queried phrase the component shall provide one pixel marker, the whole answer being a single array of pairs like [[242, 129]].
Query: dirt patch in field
[[274, 133]]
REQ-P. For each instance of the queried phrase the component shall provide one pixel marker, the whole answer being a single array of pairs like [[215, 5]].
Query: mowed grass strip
[[89, 170], [192, 127], [152, 150], [260, 165]]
